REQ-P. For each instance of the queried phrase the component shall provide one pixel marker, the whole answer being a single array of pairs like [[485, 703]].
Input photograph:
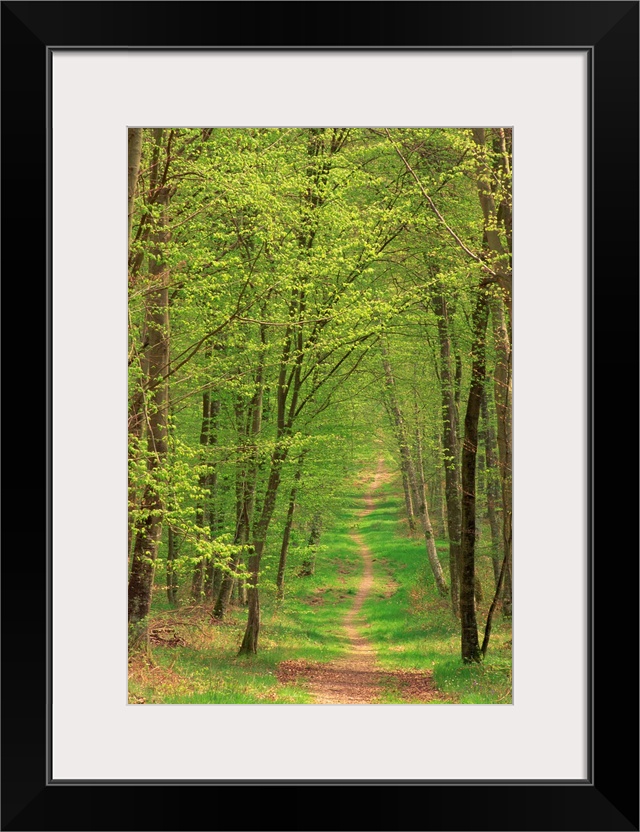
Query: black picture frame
[[608, 798]]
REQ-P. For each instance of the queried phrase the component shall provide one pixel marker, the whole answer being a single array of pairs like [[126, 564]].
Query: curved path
[[356, 678]]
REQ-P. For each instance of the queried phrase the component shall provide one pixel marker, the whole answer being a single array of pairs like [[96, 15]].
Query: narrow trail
[[356, 678]]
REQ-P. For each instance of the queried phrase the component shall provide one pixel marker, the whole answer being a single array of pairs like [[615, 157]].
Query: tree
[[469, 643], [414, 473], [156, 406], [287, 285], [494, 189]]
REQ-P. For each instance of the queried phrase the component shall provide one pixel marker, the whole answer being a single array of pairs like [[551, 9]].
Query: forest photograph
[[319, 415]]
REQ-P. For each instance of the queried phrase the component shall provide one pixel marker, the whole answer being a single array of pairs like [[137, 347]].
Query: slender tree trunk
[[216, 581], [202, 511], [308, 567], [450, 448], [408, 504], [494, 190], [212, 580], [496, 596], [226, 588], [246, 479], [456, 396], [481, 469], [211, 483], [135, 408], [241, 590], [158, 194], [409, 496], [228, 579], [436, 494], [229, 575], [242, 520], [150, 528], [469, 642], [134, 437], [172, 578], [445, 521], [497, 214], [207, 481], [282, 564], [134, 154], [250, 639], [502, 386], [423, 513], [493, 490], [417, 489]]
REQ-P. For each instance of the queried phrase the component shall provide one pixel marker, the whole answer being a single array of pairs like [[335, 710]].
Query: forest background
[[296, 294]]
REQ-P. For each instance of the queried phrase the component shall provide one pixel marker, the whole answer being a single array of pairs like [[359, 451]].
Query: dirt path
[[356, 678]]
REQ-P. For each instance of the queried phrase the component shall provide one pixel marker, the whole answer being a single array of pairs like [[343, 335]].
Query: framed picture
[[565, 75]]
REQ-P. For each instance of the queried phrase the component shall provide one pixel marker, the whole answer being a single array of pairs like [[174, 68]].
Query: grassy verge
[[412, 627]]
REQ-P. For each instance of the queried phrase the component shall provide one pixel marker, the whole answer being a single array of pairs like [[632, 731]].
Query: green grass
[[413, 628], [410, 626], [306, 626]]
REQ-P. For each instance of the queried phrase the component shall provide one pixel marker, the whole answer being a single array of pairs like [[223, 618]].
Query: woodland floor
[[356, 678], [368, 627]]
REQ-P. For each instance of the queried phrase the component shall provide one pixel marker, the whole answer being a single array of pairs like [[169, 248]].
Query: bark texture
[[492, 486], [450, 385], [469, 642], [149, 529], [134, 154], [286, 536]]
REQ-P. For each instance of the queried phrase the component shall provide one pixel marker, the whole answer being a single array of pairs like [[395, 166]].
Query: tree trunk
[[502, 386], [249, 425], [493, 490], [207, 481], [423, 513], [135, 408], [450, 449], [250, 639], [407, 498], [211, 483], [172, 578], [494, 189], [229, 576], [456, 396], [134, 154], [224, 593], [496, 596], [417, 489], [436, 496], [157, 329], [216, 580], [497, 215], [241, 590], [242, 520], [282, 564], [308, 567], [469, 642]]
